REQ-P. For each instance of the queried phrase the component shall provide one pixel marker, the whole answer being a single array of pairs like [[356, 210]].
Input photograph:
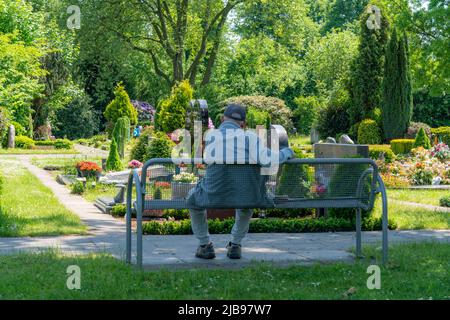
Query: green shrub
[[157, 194], [445, 201], [44, 143], [120, 107], [77, 187], [369, 132], [256, 117], [19, 129], [295, 181], [334, 119], [160, 146], [443, 134], [305, 113], [171, 112], [121, 134], [24, 142], [272, 225], [378, 151], [119, 210], [276, 108], [113, 162], [402, 146], [63, 144], [1, 183], [422, 140], [414, 128], [140, 149], [177, 214]]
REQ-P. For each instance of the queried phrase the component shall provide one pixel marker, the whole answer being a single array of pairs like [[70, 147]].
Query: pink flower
[[134, 164]]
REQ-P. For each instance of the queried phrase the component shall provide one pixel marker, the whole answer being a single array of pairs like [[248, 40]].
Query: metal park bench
[[299, 183]]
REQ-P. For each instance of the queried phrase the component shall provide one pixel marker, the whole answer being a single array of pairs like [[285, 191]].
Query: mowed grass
[[299, 140], [28, 208], [64, 161], [415, 271], [413, 218], [420, 196], [37, 151]]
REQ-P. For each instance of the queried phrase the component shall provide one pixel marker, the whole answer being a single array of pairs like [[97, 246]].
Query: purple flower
[[135, 164]]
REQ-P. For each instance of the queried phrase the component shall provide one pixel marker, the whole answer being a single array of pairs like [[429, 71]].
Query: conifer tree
[[113, 162], [121, 134]]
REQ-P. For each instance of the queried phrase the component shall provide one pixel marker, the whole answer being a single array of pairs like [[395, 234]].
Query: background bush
[[375, 152], [414, 128], [333, 121], [445, 201], [140, 149], [369, 132], [305, 113], [113, 162], [24, 142], [443, 134], [276, 108], [160, 146], [402, 146], [63, 144]]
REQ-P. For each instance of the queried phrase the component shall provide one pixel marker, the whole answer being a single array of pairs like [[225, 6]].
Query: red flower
[[88, 166]]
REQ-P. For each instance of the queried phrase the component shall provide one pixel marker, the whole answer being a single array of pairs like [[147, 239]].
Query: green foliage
[[140, 149], [273, 225], [402, 146], [157, 194], [256, 117], [171, 113], [369, 132], [276, 108], [120, 107], [119, 210], [113, 162], [160, 146], [343, 12], [414, 128], [422, 140], [368, 70], [77, 188], [305, 113], [295, 181], [23, 142], [334, 119], [434, 111], [381, 151], [445, 201], [19, 129], [443, 134], [75, 117], [63, 144], [121, 134], [397, 94]]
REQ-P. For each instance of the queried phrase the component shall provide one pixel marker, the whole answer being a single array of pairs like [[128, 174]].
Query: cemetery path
[[89, 151], [107, 234]]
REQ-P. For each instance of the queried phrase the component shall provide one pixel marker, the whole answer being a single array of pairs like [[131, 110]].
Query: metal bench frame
[[377, 186]]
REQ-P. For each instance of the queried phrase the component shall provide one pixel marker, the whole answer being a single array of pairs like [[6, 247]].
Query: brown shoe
[[206, 251]]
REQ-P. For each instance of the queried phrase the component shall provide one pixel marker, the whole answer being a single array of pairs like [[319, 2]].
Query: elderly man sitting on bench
[[235, 185]]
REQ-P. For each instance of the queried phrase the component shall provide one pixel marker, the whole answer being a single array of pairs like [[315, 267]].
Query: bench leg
[[358, 233]]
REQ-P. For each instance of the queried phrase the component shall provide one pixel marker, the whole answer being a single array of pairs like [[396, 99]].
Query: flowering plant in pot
[[88, 169], [135, 164], [182, 183]]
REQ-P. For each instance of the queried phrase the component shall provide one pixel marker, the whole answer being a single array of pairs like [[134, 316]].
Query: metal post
[[384, 219], [139, 206], [358, 233]]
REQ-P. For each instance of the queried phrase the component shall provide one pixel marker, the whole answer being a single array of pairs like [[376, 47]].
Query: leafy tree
[[334, 119], [342, 12], [367, 76], [397, 102], [160, 146], [74, 116], [121, 134], [306, 113], [171, 113], [434, 111], [121, 106], [113, 162], [329, 60]]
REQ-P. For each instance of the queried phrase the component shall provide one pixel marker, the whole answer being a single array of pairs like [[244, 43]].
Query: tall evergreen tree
[[397, 95], [367, 77]]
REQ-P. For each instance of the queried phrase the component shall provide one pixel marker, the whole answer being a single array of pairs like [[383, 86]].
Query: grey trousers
[[199, 223]]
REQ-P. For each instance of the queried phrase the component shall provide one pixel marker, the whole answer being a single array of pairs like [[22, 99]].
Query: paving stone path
[[107, 234]]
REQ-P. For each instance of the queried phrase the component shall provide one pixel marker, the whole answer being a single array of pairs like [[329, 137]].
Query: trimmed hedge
[[402, 146], [369, 132], [274, 225], [445, 201], [443, 134], [24, 142], [58, 143], [375, 152]]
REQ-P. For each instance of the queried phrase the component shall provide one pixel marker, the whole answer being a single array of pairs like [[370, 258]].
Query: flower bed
[[421, 167]]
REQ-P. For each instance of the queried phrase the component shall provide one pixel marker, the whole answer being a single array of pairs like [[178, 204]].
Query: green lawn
[[71, 161], [28, 208], [299, 140], [409, 217], [420, 196], [38, 151], [415, 271]]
